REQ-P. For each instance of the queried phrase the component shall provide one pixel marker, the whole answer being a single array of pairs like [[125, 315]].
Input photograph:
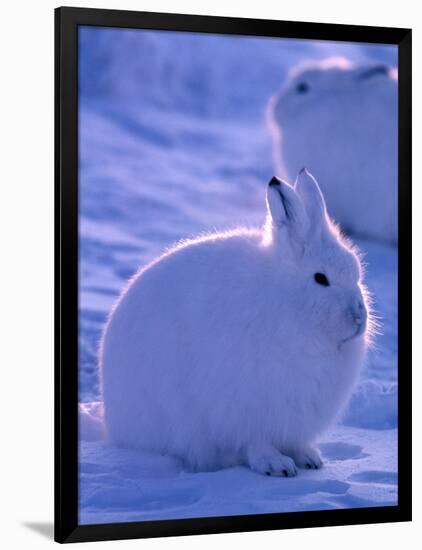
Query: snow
[[126, 485], [166, 143]]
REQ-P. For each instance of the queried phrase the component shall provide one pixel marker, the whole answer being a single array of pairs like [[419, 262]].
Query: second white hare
[[240, 347]]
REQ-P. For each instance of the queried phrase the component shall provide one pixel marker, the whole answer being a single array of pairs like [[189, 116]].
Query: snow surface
[[171, 146]]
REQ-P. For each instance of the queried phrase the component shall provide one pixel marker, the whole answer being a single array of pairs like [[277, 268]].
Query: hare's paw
[[308, 458], [271, 462]]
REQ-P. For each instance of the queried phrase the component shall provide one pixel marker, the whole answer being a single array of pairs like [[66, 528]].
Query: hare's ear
[[309, 191], [286, 209]]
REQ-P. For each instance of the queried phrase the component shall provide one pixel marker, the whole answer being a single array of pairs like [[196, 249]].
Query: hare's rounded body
[[343, 118], [213, 353]]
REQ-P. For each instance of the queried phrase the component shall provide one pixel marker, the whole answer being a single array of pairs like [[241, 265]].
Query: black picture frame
[[67, 20]]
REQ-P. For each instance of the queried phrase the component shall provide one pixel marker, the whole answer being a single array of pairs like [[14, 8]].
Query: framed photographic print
[[233, 274]]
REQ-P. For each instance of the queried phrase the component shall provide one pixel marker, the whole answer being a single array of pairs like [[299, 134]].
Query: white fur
[[226, 351], [343, 128]]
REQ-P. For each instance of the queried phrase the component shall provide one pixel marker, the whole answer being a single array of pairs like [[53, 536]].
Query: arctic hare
[[240, 347], [335, 118]]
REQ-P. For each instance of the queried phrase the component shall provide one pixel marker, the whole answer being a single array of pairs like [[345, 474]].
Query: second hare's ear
[[286, 209], [309, 191]]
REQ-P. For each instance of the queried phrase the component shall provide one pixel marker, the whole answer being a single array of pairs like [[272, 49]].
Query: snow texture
[[172, 146]]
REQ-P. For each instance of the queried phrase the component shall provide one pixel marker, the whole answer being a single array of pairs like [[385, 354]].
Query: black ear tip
[[274, 181], [303, 171]]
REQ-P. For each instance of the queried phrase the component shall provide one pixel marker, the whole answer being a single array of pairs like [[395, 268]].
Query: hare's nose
[[359, 312]]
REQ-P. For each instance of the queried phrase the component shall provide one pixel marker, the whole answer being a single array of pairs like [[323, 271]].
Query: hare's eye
[[302, 88], [321, 279]]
